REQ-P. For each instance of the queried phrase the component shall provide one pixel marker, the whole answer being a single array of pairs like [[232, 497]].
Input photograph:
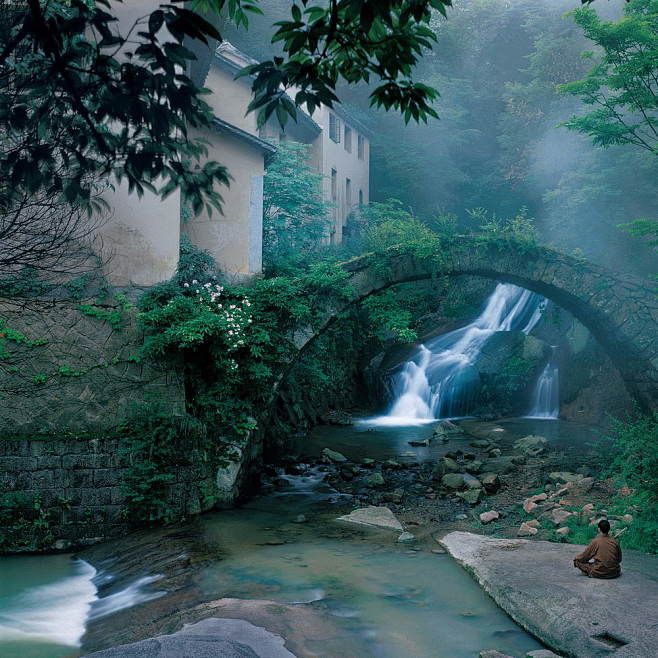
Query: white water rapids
[[439, 381]]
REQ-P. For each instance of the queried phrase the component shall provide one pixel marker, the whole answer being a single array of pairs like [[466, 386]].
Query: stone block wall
[[75, 372], [78, 486]]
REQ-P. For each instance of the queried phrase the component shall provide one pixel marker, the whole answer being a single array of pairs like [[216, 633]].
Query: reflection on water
[[386, 598], [393, 600]]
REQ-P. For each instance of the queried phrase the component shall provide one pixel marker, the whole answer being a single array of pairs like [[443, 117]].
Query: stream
[[386, 599]]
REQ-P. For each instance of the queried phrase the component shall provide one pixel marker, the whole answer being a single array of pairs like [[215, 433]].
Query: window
[[348, 192], [361, 147], [334, 128], [334, 184], [348, 139], [360, 198]]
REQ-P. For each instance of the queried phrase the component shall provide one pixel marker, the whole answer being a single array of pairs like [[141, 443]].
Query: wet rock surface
[[536, 584]]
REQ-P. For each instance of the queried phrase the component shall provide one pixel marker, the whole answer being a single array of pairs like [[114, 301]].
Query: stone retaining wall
[[71, 371], [76, 487]]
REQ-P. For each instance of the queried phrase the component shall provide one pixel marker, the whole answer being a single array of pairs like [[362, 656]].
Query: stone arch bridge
[[620, 311]]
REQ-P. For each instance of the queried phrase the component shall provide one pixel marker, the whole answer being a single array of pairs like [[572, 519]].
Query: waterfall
[[439, 380], [546, 397]]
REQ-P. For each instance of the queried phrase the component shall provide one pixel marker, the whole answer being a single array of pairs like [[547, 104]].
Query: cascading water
[[546, 398], [440, 381]]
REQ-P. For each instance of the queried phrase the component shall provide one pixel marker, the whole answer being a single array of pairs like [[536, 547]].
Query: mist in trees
[[501, 145]]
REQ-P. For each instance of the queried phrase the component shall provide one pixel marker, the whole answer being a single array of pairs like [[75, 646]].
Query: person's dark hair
[[604, 526]]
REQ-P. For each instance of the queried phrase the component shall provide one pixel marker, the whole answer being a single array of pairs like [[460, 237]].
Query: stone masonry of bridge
[[620, 311]]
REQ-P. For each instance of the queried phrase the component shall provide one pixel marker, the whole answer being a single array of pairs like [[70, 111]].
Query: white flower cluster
[[236, 315]]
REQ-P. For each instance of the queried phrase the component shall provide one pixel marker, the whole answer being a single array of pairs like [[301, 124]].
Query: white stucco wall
[[329, 155], [234, 238], [139, 244]]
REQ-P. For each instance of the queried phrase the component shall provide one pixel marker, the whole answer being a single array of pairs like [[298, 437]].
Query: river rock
[[495, 452], [493, 654], [542, 653], [406, 538], [229, 638], [375, 480], [300, 518], [334, 456], [488, 517], [533, 446], [392, 465], [490, 482], [473, 467], [471, 496], [526, 530], [559, 515], [367, 462], [445, 465], [453, 480], [471, 482], [563, 531], [337, 417], [500, 465], [447, 427], [420, 443], [564, 477], [378, 517], [480, 443]]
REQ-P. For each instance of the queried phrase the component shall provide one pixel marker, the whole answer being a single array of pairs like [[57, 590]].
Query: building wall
[[139, 243], [347, 165], [230, 98], [233, 237]]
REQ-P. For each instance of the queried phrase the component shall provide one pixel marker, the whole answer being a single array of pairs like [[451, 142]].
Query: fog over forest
[[499, 147]]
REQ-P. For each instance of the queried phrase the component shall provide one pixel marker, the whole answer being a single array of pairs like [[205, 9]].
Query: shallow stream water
[[386, 597]]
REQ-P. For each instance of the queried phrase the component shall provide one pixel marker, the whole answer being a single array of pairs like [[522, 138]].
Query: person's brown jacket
[[606, 553]]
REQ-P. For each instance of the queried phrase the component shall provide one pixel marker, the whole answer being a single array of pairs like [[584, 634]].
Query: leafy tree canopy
[[622, 86], [85, 97]]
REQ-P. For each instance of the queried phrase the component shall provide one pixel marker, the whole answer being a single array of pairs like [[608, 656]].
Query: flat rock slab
[[229, 638], [377, 517], [536, 584]]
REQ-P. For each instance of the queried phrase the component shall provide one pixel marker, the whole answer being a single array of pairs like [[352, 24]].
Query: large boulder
[[533, 446], [377, 517], [453, 481], [446, 465], [536, 584], [333, 456], [490, 482], [471, 496], [499, 465]]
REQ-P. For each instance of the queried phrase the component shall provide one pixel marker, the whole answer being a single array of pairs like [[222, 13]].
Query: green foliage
[[519, 229], [295, 216], [636, 466], [645, 229], [76, 111], [112, 316], [355, 42], [153, 443], [390, 229], [621, 87], [24, 523], [389, 317]]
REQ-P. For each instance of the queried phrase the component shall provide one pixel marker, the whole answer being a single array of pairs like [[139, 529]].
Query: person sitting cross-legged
[[602, 558]]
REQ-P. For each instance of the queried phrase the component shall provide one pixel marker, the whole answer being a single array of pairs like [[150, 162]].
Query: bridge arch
[[620, 311]]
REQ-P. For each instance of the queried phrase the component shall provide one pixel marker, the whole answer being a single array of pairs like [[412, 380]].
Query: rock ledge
[[536, 584]]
